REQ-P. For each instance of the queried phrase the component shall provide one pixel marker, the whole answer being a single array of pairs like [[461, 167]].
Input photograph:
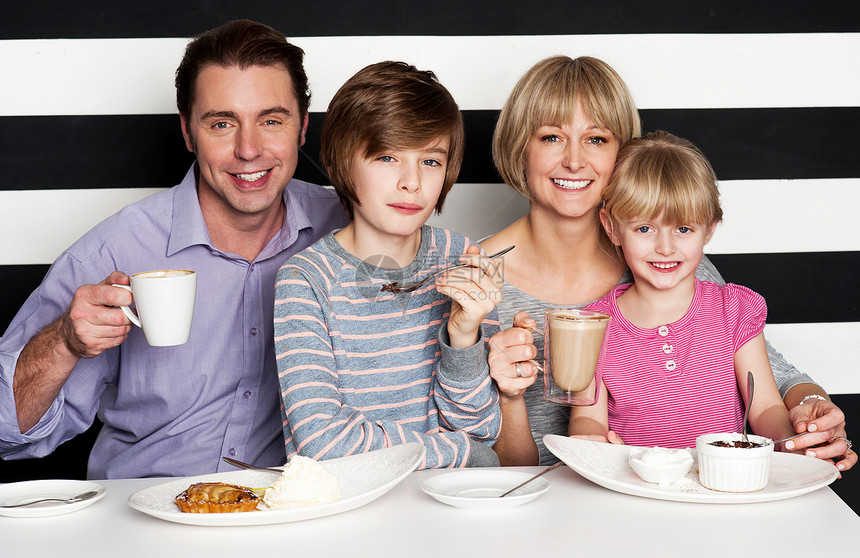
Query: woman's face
[[567, 164]]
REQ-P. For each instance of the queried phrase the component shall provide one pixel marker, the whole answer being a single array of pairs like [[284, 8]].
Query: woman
[[556, 142]]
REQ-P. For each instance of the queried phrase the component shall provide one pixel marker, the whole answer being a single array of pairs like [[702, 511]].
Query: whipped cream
[[657, 456], [304, 482]]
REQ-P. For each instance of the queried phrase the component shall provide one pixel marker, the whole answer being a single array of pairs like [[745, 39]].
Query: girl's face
[[568, 164], [660, 255], [398, 189]]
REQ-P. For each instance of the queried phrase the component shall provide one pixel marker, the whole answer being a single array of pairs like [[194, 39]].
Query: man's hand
[[93, 322]]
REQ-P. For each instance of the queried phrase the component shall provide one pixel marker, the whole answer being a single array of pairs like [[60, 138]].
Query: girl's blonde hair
[[547, 94], [662, 175]]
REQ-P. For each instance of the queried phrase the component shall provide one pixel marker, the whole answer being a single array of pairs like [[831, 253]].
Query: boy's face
[[398, 189]]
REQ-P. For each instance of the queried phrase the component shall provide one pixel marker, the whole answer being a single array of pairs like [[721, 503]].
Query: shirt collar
[[188, 228]]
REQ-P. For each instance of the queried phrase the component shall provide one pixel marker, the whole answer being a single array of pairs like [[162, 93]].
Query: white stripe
[[45, 222], [135, 76], [828, 352], [761, 216]]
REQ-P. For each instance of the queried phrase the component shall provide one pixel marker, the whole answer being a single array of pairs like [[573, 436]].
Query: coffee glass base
[[585, 398]]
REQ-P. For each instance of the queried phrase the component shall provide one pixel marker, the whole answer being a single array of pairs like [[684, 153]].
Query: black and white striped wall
[[88, 123]]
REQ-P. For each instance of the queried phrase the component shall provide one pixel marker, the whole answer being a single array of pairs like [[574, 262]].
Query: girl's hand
[[508, 349], [610, 438], [475, 291]]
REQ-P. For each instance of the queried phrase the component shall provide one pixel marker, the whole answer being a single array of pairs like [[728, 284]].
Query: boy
[[361, 369]]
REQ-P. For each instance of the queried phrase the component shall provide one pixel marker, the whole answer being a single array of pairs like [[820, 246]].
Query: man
[[243, 101]]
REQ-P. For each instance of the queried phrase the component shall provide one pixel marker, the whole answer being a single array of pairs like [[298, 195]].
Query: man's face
[[245, 128]]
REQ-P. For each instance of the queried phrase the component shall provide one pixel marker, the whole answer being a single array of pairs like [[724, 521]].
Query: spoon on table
[[243, 465], [72, 500], [750, 389], [409, 286], [547, 470]]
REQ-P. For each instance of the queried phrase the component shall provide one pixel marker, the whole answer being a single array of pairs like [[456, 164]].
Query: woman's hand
[[824, 423], [475, 291], [511, 352]]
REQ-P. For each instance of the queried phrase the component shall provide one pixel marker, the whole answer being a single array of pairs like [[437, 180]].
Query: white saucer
[[481, 488], [20, 492]]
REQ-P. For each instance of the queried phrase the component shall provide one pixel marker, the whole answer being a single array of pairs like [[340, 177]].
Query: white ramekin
[[733, 469]]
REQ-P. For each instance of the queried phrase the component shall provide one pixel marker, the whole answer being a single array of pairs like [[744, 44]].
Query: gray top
[[549, 418]]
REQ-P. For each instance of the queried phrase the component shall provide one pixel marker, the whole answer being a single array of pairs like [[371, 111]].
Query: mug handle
[[125, 309]]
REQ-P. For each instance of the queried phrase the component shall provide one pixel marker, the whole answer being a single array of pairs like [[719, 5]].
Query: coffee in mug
[[573, 339], [164, 301]]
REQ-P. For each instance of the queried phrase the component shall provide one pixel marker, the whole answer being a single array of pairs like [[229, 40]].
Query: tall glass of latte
[[573, 339]]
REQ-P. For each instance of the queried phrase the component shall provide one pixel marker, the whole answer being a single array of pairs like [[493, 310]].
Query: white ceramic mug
[[164, 301]]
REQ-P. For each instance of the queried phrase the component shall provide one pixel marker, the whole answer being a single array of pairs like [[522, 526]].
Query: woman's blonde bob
[[662, 176], [547, 94]]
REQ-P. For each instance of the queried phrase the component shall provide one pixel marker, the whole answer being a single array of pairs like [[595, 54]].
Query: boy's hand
[[475, 291]]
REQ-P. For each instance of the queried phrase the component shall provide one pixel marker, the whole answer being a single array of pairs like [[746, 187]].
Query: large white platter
[[362, 479], [790, 475], [27, 491]]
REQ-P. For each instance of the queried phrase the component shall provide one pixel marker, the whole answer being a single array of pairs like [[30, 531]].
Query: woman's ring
[[847, 441], [520, 375]]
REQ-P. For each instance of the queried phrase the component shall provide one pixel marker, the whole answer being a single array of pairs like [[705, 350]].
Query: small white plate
[[362, 479], [790, 475], [20, 492], [481, 488]]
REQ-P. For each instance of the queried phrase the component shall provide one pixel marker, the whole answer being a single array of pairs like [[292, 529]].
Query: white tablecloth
[[575, 518]]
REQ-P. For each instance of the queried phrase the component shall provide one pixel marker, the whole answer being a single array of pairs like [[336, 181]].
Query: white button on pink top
[[667, 348], [663, 331], [670, 365]]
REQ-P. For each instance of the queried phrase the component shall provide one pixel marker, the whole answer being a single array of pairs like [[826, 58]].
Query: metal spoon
[[547, 470], [409, 286], [72, 500], [750, 388], [243, 465]]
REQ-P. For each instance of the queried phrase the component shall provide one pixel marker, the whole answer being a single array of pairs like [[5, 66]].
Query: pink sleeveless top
[[670, 384]]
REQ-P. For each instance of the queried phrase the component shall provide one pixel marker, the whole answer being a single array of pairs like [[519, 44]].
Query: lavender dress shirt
[[170, 411]]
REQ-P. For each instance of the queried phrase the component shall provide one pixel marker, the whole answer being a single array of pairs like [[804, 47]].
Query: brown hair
[[241, 43], [547, 94], [388, 105], [662, 174]]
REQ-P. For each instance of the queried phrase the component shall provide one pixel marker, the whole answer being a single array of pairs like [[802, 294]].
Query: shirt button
[[670, 365], [247, 394], [667, 348], [663, 331], [232, 451], [253, 331]]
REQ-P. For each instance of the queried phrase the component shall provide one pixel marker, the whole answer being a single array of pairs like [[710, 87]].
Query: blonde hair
[[661, 174], [388, 105], [547, 94]]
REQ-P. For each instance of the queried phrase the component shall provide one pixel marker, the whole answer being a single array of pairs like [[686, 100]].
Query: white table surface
[[575, 518]]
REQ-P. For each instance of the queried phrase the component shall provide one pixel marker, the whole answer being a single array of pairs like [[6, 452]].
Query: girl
[[677, 349], [362, 367]]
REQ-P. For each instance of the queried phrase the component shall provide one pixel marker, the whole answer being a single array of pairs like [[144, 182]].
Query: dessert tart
[[217, 497]]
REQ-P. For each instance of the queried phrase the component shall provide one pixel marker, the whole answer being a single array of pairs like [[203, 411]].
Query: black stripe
[[799, 288], [803, 287], [169, 18], [70, 152]]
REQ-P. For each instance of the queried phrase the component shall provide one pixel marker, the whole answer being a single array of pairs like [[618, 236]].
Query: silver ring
[[847, 441], [520, 375]]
